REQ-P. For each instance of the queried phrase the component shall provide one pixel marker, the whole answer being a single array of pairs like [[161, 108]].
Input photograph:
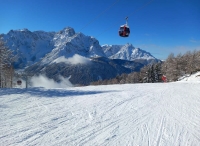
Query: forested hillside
[[173, 68]]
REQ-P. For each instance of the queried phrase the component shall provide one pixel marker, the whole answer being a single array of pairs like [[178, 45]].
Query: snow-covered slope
[[134, 114], [126, 52], [191, 78]]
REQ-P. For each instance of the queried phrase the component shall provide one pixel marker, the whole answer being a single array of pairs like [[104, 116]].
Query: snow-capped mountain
[[31, 47], [67, 43], [28, 47], [68, 53], [126, 52]]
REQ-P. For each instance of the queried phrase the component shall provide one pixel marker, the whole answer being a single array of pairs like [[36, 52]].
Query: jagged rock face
[[69, 46], [126, 52], [67, 32]]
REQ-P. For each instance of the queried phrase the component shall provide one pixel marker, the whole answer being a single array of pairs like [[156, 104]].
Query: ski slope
[[159, 114]]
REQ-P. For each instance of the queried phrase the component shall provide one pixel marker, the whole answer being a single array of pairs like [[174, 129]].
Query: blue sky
[[161, 27]]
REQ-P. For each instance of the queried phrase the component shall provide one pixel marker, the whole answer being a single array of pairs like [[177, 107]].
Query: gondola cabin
[[124, 31], [19, 82]]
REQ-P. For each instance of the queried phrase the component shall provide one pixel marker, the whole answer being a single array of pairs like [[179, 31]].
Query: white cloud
[[43, 81], [76, 59]]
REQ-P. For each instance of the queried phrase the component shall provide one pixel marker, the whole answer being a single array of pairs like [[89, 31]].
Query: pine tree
[[157, 72], [152, 74]]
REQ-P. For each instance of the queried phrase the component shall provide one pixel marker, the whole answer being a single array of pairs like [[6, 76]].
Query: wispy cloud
[[76, 59], [194, 40]]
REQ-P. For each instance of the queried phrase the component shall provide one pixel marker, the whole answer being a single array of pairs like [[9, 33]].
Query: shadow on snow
[[42, 92]]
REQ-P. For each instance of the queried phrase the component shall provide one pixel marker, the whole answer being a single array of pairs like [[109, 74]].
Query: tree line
[[176, 66], [173, 68]]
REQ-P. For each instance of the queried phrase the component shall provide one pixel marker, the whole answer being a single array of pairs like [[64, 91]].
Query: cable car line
[[95, 18], [140, 8]]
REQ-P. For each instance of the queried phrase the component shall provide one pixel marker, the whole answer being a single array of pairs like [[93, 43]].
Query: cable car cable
[[140, 8], [95, 18]]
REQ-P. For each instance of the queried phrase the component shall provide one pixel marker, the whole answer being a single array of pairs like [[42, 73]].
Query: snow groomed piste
[[116, 115]]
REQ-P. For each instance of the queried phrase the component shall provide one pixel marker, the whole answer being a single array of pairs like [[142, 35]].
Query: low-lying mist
[[43, 81]]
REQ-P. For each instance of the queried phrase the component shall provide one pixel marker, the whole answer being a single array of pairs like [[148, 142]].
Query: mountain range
[[68, 53]]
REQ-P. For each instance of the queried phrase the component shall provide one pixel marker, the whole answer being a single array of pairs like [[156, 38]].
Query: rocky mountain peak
[[68, 31]]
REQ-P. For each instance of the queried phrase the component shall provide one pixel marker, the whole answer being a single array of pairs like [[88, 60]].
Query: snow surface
[[132, 114]]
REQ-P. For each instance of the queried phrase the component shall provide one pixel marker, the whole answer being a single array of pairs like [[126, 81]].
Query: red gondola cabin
[[19, 82], [124, 30]]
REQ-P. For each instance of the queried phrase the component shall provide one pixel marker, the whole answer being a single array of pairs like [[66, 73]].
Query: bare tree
[[194, 61], [170, 68], [6, 69]]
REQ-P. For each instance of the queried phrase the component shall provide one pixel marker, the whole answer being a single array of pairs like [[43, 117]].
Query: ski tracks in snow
[[131, 115]]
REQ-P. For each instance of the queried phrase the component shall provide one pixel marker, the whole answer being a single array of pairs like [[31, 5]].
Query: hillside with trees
[[173, 68]]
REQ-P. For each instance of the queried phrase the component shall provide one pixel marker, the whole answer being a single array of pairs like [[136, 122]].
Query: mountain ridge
[[42, 52], [32, 47]]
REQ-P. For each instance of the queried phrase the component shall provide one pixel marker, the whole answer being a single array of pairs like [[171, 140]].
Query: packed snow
[[158, 114]]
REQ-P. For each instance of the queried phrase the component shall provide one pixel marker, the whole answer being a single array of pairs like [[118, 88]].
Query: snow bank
[[191, 78]]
